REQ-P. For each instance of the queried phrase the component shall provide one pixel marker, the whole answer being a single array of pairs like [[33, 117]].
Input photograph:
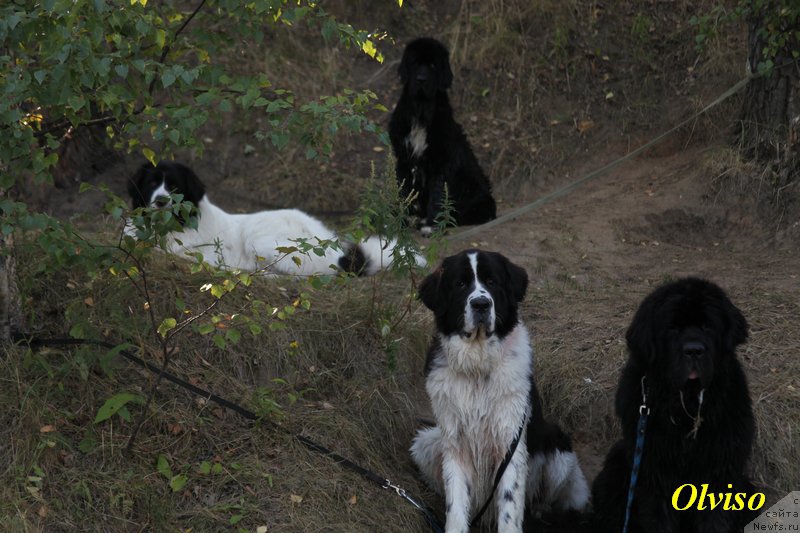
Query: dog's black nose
[[423, 73], [481, 304], [694, 349]]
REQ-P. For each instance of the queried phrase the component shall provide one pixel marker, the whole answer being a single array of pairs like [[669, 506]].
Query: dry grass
[[351, 396], [531, 89]]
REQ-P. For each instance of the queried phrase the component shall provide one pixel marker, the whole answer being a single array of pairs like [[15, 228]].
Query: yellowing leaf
[[161, 37], [296, 499], [149, 154], [369, 48], [49, 428], [353, 500]]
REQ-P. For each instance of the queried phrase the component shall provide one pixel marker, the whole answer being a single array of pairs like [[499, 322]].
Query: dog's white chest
[[484, 408], [417, 140]]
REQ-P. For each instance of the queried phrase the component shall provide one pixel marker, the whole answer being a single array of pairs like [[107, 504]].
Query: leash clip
[[399, 490], [643, 409]]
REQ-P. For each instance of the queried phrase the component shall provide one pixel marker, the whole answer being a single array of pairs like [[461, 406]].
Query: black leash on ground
[[427, 513]]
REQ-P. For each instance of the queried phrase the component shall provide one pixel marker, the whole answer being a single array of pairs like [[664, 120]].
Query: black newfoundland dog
[[431, 149], [682, 344]]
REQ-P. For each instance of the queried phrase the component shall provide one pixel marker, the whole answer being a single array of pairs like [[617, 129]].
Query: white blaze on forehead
[[480, 289]]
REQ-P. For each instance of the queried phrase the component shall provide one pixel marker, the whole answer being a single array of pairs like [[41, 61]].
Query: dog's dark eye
[[490, 281], [461, 284]]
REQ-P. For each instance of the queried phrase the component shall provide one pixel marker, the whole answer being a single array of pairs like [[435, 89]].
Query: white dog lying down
[[250, 241]]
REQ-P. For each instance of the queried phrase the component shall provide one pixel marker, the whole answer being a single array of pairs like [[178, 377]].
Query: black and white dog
[[250, 241], [480, 382], [431, 149]]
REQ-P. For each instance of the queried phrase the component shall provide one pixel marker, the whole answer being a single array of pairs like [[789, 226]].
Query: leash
[[644, 411], [427, 512], [597, 173], [499, 475]]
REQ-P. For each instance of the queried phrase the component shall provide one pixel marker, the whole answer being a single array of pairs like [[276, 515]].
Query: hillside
[[547, 92]]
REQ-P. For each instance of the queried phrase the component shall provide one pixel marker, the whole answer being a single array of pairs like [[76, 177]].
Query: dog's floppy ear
[[187, 181], [404, 69], [640, 336], [429, 288], [135, 186], [736, 333], [445, 72], [518, 280]]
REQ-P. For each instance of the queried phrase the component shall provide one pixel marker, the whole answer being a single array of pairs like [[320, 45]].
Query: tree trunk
[[769, 129], [10, 310]]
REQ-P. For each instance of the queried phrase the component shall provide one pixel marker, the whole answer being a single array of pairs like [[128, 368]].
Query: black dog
[[431, 149], [682, 344]]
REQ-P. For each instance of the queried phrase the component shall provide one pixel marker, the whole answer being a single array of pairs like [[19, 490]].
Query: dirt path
[[595, 253]]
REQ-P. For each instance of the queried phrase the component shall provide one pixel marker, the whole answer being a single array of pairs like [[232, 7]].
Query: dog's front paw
[[426, 231]]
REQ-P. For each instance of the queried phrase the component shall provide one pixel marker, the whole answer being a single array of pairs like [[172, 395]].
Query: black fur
[[177, 177], [448, 159], [683, 339], [445, 290], [353, 260]]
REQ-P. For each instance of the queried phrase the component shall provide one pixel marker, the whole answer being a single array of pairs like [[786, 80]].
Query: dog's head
[[151, 186], [475, 294], [686, 331], [425, 68]]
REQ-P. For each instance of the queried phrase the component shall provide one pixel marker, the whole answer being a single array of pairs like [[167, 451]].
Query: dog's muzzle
[[162, 201], [481, 308]]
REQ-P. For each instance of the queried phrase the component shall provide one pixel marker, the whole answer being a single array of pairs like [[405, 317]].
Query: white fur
[[250, 241], [479, 387], [564, 485], [479, 291], [480, 400], [417, 140]]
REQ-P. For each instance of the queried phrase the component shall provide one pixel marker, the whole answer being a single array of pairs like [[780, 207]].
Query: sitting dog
[[431, 149], [479, 377], [250, 241], [683, 368]]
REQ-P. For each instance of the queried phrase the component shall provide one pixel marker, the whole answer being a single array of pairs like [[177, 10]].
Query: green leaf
[[168, 78], [217, 291], [205, 468], [235, 519], [149, 154], [233, 335], [219, 340], [88, 444], [163, 467], [161, 38], [178, 482], [205, 329], [166, 325], [124, 414], [114, 404], [77, 331], [76, 102]]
